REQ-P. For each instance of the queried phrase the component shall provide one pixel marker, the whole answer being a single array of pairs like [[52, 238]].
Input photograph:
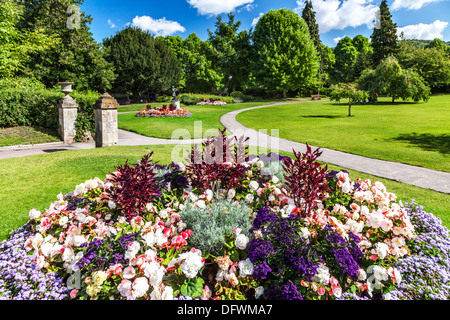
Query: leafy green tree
[[76, 57], [346, 55], [384, 36], [143, 64], [390, 79], [231, 49], [364, 58], [430, 62], [348, 91], [328, 60], [199, 74], [438, 43], [285, 56], [16, 45]]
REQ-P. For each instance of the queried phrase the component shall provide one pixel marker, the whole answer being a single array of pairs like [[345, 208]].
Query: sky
[[417, 19]]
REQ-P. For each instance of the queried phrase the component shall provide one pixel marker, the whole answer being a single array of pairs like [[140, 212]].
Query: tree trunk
[[349, 107], [284, 93]]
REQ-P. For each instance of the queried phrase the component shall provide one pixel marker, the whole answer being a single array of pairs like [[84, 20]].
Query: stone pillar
[[67, 109], [106, 125]]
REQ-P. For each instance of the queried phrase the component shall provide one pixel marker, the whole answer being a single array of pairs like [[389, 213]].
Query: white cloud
[[411, 4], [111, 24], [160, 27], [336, 40], [215, 7], [423, 31], [255, 21], [338, 15]]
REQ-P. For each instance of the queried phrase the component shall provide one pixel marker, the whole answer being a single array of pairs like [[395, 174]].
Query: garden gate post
[[106, 124], [67, 114]]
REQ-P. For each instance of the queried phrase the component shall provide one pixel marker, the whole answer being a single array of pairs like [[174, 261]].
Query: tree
[[430, 62], [76, 56], [285, 56], [143, 64], [231, 50], [390, 79], [328, 60], [346, 55], [348, 91], [384, 36], [16, 45], [364, 59], [310, 18]]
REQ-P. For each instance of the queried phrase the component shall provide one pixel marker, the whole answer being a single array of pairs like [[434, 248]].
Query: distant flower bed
[[253, 228], [164, 111], [211, 102]]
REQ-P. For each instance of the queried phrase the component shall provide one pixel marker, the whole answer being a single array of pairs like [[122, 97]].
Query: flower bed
[[253, 229], [164, 111], [211, 102]]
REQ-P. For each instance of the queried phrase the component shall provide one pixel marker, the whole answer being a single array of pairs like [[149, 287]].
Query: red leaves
[[306, 179], [134, 187], [213, 162]]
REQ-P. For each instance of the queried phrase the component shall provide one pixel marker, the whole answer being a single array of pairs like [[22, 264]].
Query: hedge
[[27, 102]]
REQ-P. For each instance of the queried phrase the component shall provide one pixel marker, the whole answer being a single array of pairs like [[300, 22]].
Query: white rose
[[381, 250], [275, 179], [241, 241], [245, 268], [167, 293], [209, 195], [322, 276], [201, 204], [260, 164], [155, 273], [98, 277], [346, 187], [249, 198], [362, 275], [304, 232], [231, 193], [111, 204], [181, 166], [63, 220], [192, 265], [140, 287], [78, 240], [253, 185], [34, 214]]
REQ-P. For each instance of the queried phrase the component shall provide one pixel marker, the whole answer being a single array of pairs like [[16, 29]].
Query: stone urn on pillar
[[67, 111], [106, 124]]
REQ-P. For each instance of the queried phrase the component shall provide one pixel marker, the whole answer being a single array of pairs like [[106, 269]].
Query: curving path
[[413, 175]]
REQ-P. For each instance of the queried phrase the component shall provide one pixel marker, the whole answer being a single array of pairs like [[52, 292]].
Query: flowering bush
[[211, 102], [164, 111], [146, 232]]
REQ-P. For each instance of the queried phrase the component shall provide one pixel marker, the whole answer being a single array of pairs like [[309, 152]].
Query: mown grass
[[412, 133], [35, 181], [26, 135], [207, 118]]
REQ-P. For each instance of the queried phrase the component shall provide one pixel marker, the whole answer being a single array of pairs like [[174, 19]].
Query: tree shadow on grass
[[427, 141], [324, 117]]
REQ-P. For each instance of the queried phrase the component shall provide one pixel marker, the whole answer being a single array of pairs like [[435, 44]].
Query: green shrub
[[209, 225], [26, 102], [188, 99], [164, 99]]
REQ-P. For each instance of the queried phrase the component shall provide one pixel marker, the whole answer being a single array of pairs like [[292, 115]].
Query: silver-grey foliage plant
[[210, 224]]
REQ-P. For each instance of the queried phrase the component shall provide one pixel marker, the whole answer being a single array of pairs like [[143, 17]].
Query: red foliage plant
[[219, 160], [134, 186], [306, 179]]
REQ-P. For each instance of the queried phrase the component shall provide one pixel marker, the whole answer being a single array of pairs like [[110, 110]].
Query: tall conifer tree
[[384, 36]]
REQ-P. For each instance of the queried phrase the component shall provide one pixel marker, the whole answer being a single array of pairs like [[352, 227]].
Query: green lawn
[[26, 135], [413, 133], [164, 127], [35, 181]]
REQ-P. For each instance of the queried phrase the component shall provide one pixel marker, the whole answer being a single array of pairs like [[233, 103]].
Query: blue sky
[[419, 19]]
